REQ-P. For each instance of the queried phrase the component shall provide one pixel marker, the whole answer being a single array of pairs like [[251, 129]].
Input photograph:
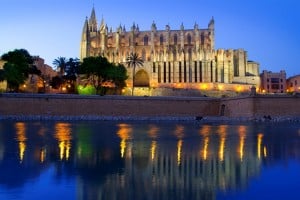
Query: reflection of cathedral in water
[[141, 161], [172, 167]]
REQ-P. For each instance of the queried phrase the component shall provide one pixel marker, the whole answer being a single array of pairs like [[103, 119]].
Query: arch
[[141, 79]]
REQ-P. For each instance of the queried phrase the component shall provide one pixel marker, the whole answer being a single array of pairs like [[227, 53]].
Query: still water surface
[[134, 160]]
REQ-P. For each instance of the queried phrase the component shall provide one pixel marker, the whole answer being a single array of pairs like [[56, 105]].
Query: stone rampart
[[261, 106], [76, 105], [250, 107]]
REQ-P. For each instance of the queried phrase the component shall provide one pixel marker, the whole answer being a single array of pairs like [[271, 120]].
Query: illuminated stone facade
[[185, 56], [39, 83], [273, 82], [293, 84], [3, 84]]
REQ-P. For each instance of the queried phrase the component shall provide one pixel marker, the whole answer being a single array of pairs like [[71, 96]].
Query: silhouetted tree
[[17, 68], [61, 64], [71, 73]]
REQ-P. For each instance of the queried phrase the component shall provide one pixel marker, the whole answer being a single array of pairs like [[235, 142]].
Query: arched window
[[175, 39], [189, 39], [146, 40], [161, 39]]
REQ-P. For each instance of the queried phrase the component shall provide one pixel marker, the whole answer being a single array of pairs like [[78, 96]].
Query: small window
[[267, 80], [296, 82]]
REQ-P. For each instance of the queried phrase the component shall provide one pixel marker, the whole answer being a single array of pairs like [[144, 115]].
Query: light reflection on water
[[113, 160]]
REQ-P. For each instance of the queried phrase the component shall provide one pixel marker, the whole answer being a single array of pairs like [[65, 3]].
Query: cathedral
[[173, 58]]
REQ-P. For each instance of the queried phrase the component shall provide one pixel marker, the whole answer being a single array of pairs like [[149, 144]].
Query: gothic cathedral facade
[[171, 57]]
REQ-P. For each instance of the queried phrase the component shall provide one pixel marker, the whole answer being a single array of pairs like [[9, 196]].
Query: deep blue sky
[[268, 29]]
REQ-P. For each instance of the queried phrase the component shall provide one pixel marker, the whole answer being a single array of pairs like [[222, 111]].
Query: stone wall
[[262, 106], [75, 105], [281, 105], [237, 107], [150, 107]]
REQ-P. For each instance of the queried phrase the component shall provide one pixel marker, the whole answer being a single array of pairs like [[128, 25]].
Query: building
[[34, 83], [3, 84], [273, 82], [184, 58], [40, 83], [293, 84]]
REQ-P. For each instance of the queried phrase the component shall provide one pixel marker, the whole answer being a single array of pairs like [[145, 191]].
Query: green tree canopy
[[98, 70], [17, 68]]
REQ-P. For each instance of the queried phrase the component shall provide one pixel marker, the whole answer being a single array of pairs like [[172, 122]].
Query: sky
[[269, 30]]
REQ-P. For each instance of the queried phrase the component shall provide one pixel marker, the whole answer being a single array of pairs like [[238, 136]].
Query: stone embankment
[[199, 109]]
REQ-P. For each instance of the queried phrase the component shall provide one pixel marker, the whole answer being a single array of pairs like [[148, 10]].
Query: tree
[[68, 71], [72, 69], [118, 75], [98, 71], [56, 82], [71, 73], [60, 64], [95, 70], [33, 70], [133, 60], [17, 68]]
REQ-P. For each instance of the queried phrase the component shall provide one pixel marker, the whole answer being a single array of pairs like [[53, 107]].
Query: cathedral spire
[[211, 24], [93, 21], [102, 26], [85, 26], [84, 39]]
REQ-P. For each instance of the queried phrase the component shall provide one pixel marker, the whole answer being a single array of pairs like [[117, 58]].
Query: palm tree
[[61, 64], [133, 60]]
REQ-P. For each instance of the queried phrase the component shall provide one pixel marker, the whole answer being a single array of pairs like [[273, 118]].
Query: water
[[135, 160]]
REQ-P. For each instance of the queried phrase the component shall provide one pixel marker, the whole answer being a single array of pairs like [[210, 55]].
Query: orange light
[[203, 86], [153, 149], [179, 151], [220, 87], [239, 88], [124, 133], [259, 144]]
